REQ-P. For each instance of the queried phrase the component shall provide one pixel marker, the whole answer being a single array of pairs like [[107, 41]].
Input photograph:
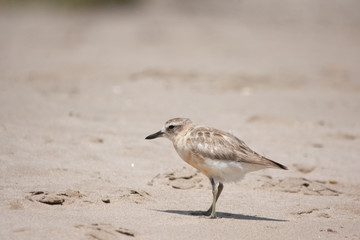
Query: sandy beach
[[81, 89]]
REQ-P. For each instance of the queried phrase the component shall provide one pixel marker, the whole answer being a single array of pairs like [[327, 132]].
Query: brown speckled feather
[[215, 144]]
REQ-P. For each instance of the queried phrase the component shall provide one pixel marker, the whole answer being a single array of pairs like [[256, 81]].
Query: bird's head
[[172, 128]]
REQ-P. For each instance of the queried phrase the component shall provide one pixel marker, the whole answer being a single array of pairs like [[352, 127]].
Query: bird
[[219, 155]]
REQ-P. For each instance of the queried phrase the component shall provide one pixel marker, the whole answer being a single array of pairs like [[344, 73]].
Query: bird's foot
[[212, 216]]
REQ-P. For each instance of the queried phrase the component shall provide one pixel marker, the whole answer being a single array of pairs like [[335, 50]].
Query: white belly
[[228, 171]]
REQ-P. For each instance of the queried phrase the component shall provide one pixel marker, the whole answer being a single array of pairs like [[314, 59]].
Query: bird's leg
[[216, 193], [219, 190]]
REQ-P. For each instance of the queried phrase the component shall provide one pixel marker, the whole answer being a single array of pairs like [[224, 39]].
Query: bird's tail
[[277, 165]]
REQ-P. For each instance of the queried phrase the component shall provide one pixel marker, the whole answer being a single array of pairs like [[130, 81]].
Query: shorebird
[[219, 155]]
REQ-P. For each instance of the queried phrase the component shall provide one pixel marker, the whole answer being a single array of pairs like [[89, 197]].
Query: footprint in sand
[[102, 231], [321, 213], [67, 197], [70, 196], [132, 195], [302, 185], [183, 178]]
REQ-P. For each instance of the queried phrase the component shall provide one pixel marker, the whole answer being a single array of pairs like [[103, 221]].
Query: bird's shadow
[[223, 215]]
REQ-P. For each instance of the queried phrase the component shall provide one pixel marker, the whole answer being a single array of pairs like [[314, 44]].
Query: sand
[[81, 89]]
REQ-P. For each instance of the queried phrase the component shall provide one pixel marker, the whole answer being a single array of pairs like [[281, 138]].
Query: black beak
[[155, 135]]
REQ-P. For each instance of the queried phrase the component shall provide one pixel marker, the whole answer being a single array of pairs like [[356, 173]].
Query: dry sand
[[79, 91]]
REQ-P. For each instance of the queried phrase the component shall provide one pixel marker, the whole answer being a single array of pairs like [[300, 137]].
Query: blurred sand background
[[81, 86]]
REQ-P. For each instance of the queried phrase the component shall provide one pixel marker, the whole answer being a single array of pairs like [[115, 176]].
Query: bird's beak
[[155, 135]]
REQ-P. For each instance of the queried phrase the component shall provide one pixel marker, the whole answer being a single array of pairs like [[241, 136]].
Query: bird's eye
[[171, 127]]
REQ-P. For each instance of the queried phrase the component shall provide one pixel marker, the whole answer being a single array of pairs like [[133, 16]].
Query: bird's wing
[[215, 144]]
